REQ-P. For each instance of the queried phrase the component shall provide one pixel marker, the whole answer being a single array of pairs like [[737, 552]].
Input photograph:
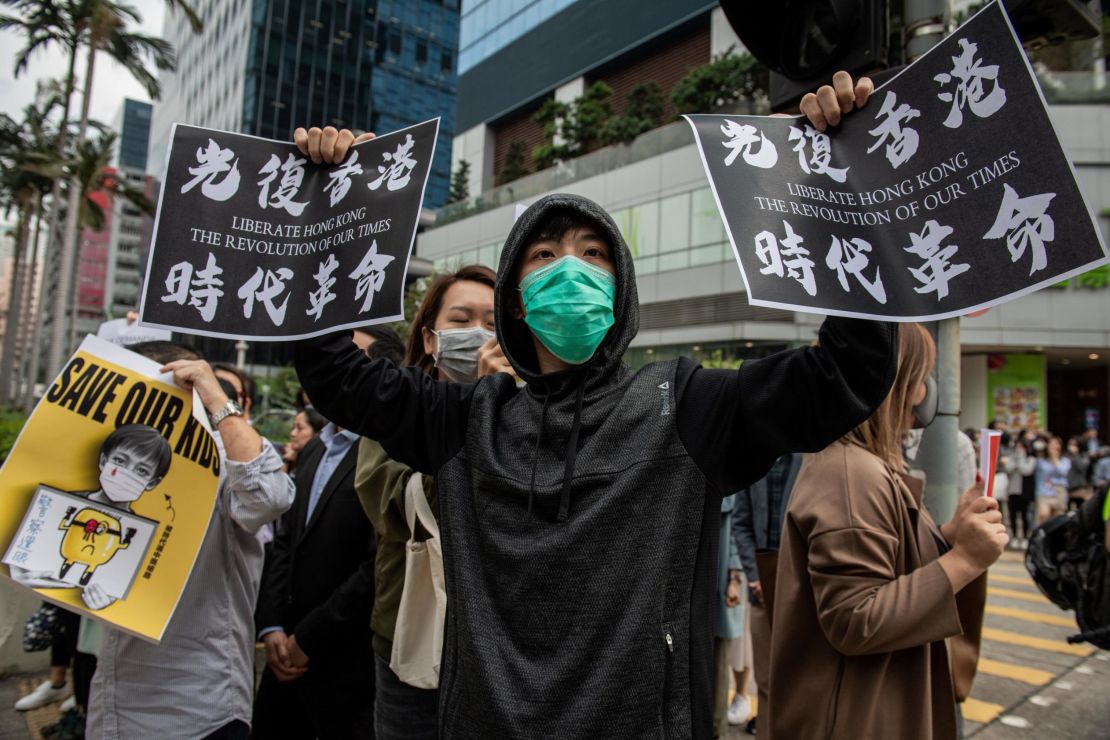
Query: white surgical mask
[[457, 352], [120, 484]]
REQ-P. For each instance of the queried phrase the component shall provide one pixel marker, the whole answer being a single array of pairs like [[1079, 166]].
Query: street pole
[[939, 449], [926, 24]]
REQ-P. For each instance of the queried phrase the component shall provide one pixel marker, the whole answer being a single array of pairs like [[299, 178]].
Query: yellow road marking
[[1053, 646], [980, 711], [1057, 619], [1021, 673], [1010, 593], [1017, 580]]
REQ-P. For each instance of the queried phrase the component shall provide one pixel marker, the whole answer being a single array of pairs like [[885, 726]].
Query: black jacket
[[319, 582], [751, 518], [580, 514]]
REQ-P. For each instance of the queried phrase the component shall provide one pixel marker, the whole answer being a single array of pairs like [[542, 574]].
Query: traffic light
[[804, 41]]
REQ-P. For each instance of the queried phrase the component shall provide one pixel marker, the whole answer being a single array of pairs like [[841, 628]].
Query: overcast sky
[[111, 82]]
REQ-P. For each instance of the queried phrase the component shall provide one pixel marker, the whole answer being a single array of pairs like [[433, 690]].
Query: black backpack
[[1068, 561]]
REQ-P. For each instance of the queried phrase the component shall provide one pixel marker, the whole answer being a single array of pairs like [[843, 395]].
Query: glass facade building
[[374, 65], [134, 134], [490, 25], [415, 76], [264, 67]]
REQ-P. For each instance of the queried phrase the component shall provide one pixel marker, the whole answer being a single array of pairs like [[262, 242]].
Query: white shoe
[[739, 710], [68, 704], [45, 694]]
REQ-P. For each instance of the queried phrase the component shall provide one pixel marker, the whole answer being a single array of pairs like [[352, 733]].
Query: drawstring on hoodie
[[536, 451], [572, 454]]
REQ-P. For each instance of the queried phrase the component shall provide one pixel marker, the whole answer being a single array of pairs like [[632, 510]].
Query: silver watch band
[[229, 409]]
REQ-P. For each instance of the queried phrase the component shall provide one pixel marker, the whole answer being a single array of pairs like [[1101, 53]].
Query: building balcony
[[1075, 88]]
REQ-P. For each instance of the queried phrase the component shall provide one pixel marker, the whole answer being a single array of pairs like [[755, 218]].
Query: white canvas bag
[[418, 636]]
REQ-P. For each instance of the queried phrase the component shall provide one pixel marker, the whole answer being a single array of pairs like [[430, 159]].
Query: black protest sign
[[947, 193], [253, 240]]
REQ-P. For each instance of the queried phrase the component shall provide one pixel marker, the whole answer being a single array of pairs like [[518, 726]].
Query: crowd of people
[[1039, 475], [501, 530]]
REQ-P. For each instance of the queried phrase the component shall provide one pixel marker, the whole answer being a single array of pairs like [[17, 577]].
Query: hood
[[513, 334]]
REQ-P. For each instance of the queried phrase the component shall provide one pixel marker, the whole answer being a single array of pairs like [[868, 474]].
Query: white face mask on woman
[[457, 352]]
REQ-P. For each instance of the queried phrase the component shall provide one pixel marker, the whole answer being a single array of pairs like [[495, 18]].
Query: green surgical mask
[[569, 307]]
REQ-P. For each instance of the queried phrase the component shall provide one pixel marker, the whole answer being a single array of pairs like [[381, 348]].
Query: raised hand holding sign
[[904, 210], [270, 240]]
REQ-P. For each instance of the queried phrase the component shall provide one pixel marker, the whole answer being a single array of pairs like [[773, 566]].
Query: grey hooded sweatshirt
[[580, 513]]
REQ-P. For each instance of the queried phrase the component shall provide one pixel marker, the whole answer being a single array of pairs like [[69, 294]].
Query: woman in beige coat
[[867, 584]]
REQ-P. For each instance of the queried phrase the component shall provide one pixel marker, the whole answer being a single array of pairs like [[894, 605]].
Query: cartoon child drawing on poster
[[132, 460]]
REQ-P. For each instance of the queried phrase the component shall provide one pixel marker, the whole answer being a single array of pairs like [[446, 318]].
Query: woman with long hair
[[452, 339], [868, 585], [307, 424], [1052, 481]]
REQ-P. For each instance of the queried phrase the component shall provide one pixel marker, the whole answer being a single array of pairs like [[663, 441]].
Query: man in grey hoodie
[[579, 513]]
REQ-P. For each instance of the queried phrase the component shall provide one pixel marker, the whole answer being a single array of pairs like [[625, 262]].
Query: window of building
[[421, 52], [674, 223], [706, 224], [445, 62]]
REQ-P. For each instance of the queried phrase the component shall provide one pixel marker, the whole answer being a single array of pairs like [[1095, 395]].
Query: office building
[[265, 67]]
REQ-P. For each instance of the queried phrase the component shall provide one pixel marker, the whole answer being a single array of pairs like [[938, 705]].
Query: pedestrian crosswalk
[[1024, 649]]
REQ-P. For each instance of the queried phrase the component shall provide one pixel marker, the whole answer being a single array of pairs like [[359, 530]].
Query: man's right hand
[[277, 656], [756, 590], [327, 145]]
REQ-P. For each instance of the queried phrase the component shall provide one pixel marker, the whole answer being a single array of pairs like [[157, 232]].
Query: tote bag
[[418, 636]]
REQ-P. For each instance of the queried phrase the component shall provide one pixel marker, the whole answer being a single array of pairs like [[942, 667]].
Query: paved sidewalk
[[1031, 683]]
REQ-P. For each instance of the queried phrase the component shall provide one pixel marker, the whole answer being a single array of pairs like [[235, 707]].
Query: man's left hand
[[190, 374], [296, 656], [825, 107]]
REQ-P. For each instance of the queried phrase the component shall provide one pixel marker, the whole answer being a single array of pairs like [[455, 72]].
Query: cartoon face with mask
[[133, 460]]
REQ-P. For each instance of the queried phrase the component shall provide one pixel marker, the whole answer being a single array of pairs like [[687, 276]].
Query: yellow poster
[[107, 494]]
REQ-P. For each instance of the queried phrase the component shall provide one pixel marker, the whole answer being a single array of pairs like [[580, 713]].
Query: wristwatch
[[228, 409]]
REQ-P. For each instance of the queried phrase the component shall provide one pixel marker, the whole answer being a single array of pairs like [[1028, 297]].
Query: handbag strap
[[416, 507]]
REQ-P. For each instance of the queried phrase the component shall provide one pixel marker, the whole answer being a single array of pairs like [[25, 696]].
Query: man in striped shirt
[[198, 682]]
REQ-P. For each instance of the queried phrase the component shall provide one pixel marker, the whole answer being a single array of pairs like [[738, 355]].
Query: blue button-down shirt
[[336, 444]]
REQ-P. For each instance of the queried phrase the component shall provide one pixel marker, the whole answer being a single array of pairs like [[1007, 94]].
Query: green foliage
[[414, 294], [514, 168], [724, 81], [11, 423], [716, 360], [587, 122], [578, 125], [284, 385], [643, 112], [460, 183]]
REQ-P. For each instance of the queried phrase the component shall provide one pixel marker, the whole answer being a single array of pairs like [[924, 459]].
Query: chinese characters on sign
[[947, 193], [306, 249]]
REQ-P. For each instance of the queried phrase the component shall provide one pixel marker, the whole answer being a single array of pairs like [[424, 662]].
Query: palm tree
[[107, 23], [99, 25], [28, 168], [44, 24]]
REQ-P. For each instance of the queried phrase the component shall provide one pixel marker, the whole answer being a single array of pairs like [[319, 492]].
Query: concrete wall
[[16, 604]]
